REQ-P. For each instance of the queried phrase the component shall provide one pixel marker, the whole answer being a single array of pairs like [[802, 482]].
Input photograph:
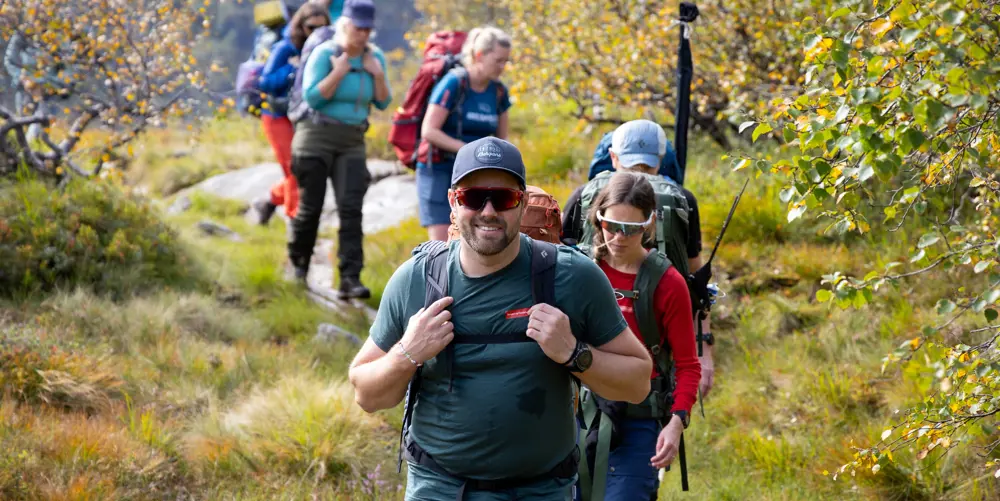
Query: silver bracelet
[[407, 355]]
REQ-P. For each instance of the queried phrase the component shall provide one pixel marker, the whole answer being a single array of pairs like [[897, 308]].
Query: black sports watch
[[708, 338], [685, 418], [581, 359]]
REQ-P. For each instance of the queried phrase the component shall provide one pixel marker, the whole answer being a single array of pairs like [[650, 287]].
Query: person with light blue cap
[[639, 146]]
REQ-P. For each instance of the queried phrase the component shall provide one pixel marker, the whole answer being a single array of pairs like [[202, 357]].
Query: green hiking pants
[[335, 152]]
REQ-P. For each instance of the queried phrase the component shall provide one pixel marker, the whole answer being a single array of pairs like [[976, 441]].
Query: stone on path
[[212, 228], [329, 333], [391, 199], [180, 204], [320, 279]]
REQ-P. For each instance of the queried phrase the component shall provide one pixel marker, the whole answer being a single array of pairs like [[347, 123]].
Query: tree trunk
[[715, 129]]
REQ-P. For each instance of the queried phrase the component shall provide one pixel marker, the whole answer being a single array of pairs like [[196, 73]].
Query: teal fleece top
[[350, 103]]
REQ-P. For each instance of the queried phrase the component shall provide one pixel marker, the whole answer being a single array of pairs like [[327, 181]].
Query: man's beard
[[488, 247]]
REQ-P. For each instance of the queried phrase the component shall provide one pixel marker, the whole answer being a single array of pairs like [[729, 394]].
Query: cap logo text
[[489, 153]]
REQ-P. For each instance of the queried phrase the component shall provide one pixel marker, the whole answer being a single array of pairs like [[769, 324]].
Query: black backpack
[[543, 273]]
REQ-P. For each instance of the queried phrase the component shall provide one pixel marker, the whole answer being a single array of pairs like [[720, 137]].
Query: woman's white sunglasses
[[625, 228]]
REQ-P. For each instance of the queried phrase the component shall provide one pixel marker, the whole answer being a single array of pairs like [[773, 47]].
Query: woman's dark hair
[[627, 188], [298, 33]]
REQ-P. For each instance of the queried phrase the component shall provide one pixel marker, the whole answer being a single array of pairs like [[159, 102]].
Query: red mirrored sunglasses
[[501, 198]]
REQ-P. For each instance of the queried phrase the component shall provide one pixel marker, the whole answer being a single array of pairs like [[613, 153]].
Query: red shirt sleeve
[[673, 304]]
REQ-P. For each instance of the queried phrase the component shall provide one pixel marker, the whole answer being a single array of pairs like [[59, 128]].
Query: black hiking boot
[[296, 273], [265, 209], [351, 287]]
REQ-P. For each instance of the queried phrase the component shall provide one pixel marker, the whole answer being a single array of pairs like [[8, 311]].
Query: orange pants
[[279, 132]]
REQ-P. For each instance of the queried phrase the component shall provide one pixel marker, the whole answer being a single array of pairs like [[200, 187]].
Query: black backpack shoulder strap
[[435, 269], [436, 287], [463, 84], [543, 272], [501, 91], [460, 72]]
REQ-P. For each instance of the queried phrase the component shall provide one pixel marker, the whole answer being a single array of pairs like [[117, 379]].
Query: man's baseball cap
[[639, 142], [360, 12], [488, 153]]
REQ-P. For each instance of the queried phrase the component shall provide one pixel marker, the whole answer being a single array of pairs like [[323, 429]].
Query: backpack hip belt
[[657, 404], [321, 119], [566, 468], [594, 467]]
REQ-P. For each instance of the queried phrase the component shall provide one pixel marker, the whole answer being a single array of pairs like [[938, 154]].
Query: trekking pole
[[699, 279], [684, 465], [685, 71], [700, 288], [729, 218]]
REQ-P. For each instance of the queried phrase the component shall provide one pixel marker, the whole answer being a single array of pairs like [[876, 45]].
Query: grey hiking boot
[[351, 287], [265, 209]]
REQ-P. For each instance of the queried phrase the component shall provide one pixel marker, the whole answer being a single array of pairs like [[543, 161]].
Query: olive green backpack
[[672, 213], [598, 415]]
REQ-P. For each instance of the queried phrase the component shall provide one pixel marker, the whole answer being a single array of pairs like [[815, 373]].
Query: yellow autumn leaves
[[121, 63]]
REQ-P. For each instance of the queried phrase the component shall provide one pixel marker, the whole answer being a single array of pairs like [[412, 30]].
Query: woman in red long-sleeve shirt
[[623, 212]]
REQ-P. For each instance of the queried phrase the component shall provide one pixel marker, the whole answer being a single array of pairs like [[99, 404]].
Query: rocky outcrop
[[391, 198]]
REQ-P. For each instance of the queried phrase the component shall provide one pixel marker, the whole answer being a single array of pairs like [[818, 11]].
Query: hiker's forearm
[[616, 377], [381, 383], [707, 351], [441, 140]]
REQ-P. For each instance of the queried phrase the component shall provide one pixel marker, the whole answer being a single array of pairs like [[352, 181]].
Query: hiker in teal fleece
[[276, 80], [343, 78], [349, 103]]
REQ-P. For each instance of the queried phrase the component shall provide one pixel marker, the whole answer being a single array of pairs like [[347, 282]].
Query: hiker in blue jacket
[[276, 80]]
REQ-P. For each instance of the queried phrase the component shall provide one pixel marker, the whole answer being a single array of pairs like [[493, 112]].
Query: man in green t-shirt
[[495, 419]]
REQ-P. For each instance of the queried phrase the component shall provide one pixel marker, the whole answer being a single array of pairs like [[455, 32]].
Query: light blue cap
[[639, 142]]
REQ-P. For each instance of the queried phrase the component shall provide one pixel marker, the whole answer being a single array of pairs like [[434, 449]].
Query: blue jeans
[[433, 183], [630, 476]]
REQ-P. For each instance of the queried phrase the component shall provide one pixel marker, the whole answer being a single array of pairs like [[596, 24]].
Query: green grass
[[193, 388], [170, 159], [208, 381]]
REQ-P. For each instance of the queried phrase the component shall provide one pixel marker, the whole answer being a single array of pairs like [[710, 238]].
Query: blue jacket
[[278, 74]]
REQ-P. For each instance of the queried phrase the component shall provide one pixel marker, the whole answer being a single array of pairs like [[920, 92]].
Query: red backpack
[[442, 53]]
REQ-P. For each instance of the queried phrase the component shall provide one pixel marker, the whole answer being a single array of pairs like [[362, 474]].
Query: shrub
[[33, 370], [301, 426], [87, 233]]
